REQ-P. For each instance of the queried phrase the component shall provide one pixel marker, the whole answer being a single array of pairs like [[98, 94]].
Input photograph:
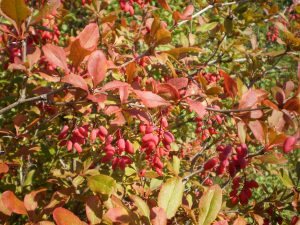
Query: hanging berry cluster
[[272, 34], [152, 137], [117, 151], [78, 137], [243, 194], [205, 128], [232, 162]]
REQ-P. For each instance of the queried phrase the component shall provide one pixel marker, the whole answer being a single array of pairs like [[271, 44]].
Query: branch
[[210, 7], [22, 100], [234, 110], [187, 177]]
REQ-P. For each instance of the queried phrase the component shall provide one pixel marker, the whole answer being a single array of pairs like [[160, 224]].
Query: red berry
[[93, 135], [208, 182], [294, 220], [164, 122], [103, 131], [63, 133], [168, 137], [211, 163], [121, 144], [142, 173], [129, 147], [77, 147]]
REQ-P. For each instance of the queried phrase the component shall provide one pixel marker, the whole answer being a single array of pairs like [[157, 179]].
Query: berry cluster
[[272, 34], [202, 125], [245, 192], [151, 139], [78, 137], [115, 152], [232, 162], [211, 77], [127, 5]]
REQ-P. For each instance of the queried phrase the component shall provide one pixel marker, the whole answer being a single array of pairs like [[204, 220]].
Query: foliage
[[149, 112]]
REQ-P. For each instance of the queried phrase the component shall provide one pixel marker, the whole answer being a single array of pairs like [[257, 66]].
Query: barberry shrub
[[149, 112]]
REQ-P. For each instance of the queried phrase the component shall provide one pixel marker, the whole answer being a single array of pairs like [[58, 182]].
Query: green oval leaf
[[207, 27], [170, 196], [141, 205], [101, 184], [210, 205]]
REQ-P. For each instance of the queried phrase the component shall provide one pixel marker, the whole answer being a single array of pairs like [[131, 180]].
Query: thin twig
[[22, 100]]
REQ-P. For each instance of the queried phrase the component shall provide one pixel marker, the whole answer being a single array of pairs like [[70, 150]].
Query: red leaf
[[89, 37], [76, 81], [140, 115], [151, 100], [186, 15], [56, 56], [229, 84], [188, 12], [114, 85], [63, 216], [168, 91], [158, 216], [257, 130], [118, 215], [197, 107], [97, 98], [12, 203], [165, 5], [252, 98], [33, 55], [124, 93], [179, 82], [97, 66]]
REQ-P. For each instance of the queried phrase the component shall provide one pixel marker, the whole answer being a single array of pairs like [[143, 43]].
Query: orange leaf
[[89, 37], [56, 56], [229, 84], [118, 215], [257, 130], [97, 66], [3, 168], [63, 216], [12, 203], [151, 100], [158, 216], [197, 107], [76, 81]]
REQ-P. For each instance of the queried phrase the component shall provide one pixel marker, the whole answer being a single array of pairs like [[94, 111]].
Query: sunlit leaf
[[170, 196], [210, 205]]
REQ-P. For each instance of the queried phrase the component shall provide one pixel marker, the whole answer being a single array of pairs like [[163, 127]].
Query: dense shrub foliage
[[150, 112]]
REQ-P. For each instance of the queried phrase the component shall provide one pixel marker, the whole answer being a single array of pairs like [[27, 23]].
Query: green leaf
[[285, 178], [207, 27], [15, 10], [170, 196], [176, 164], [210, 205], [101, 184], [141, 205]]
